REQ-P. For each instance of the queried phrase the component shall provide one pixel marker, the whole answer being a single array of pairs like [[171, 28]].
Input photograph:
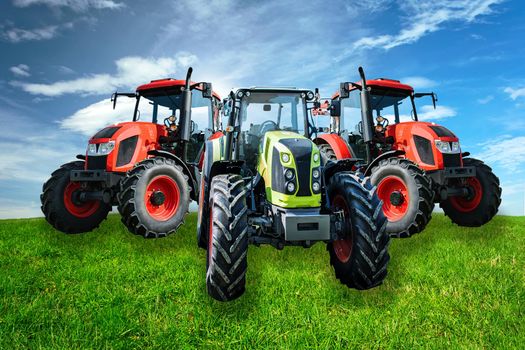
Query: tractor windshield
[[261, 112], [159, 105], [394, 105]]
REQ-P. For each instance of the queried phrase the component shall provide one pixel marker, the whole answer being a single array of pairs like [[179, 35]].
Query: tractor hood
[[431, 146], [289, 164], [118, 147]]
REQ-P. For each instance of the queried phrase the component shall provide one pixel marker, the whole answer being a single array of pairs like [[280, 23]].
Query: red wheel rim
[[171, 196], [342, 247], [80, 210], [393, 186], [466, 205]]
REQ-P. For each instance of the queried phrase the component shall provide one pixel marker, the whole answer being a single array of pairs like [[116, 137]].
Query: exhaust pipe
[[366, 114], [185, 116]]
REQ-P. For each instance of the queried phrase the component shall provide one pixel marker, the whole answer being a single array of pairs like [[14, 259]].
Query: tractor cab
[[391, 103], [157, 117]]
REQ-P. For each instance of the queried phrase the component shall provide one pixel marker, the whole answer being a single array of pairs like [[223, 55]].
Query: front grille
[[424, 149], [302, 152], [96, 162], [126, 149], [451, 160]]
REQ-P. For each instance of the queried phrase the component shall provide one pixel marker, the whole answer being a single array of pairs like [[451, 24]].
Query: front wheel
[[154, 198], [483, 201], [407, 195], [61, 203], [228, 238], [360, 259]]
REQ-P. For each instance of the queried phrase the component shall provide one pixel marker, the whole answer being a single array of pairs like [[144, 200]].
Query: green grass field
[[448, 287]]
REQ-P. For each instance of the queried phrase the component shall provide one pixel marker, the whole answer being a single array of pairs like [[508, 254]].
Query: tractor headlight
[[100, 149], [240, 94], [316, 174], [106, 147], [316, 157], [448, 147], [443, 146], [455, 147], [310, 95], [290, 187], [92, 149], [316, 186], [285, 157], [288, 174]]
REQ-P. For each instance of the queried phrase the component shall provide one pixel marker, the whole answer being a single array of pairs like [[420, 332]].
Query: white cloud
[[16, 35], [508, 152], [515, 93], [419, 82], [76, 5], [131, 71], [21, 70], [427, 112], [425, 17], [94, 117], [485, 100]]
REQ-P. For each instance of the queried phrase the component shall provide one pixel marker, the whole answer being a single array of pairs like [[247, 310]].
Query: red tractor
[[414, 164], [143, 167]]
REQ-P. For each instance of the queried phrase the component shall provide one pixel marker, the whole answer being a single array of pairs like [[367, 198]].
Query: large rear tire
[[407, 195], [154, 198], [228, 238], [482, 203], [61, 206], [360, 260]]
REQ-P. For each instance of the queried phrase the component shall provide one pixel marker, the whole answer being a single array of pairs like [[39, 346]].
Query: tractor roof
[[390, 84], [169, 83]]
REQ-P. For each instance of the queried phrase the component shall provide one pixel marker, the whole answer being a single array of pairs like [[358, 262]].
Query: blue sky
[[61, 59]]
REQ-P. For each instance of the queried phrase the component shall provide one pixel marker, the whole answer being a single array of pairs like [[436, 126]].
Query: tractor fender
[[389, 154], [187, 169], [341, 149]]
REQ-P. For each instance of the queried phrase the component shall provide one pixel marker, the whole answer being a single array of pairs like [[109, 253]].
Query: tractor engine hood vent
[[106, 133]]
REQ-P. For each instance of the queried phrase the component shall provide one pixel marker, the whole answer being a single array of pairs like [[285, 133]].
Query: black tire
[[56, 211], [418, 211], [489, 201], [136, 212], [327, 153], [364, 264], [228, 246]]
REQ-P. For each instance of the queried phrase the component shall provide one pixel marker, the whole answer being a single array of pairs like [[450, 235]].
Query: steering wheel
[[268, 124]]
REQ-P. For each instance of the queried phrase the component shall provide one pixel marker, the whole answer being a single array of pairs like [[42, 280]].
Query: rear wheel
[[360, 260], [483, 201], [228, 238], [154, 198], [61, 204], [406, 192]]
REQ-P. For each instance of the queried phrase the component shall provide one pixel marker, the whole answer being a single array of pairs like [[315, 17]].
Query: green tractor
[[264, 182]]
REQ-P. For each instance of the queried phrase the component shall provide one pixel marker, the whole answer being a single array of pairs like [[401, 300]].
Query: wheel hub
[[397, 198], [157, 198]]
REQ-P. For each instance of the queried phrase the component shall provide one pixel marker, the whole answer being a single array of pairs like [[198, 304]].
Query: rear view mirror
[[335, 108], [114, 99], [344, 91], [267, 108], [207, 91]]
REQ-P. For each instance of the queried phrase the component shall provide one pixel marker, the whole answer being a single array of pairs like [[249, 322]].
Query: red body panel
[[340, 147], [148, 136], [403, 134]]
